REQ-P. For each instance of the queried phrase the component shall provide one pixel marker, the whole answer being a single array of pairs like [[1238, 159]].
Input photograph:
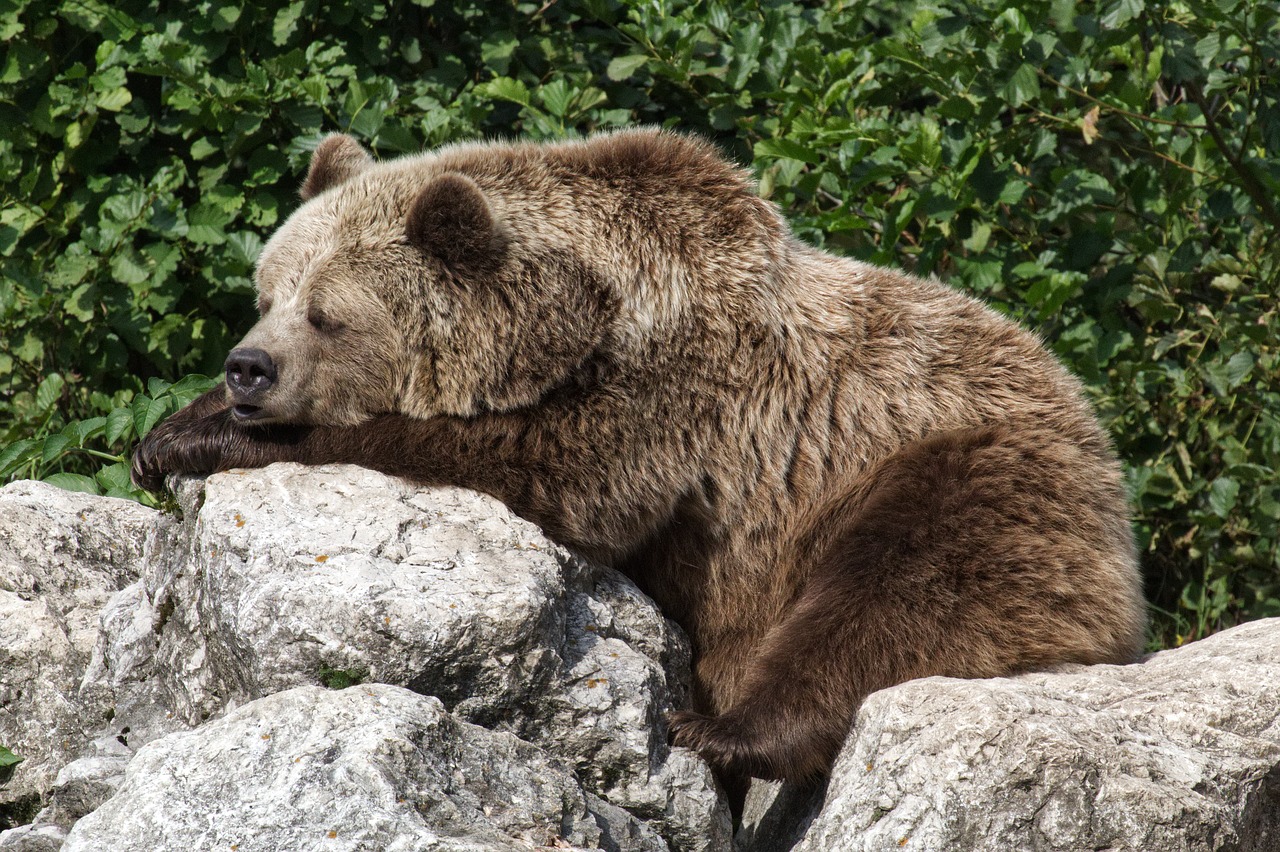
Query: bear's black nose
[[250, 373]]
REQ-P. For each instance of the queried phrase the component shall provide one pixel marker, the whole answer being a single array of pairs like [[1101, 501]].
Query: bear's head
[[483, 277], [412, 286]]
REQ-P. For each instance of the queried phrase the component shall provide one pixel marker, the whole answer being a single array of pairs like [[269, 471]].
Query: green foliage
[[1106, 172], [8, 762], [332, 678], [52, 455]]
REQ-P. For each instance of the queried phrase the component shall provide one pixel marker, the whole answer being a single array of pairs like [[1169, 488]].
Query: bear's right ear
[[451, 219], [337, 159]]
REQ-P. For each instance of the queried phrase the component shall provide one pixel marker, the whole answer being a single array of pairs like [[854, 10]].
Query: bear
[[834, 476]]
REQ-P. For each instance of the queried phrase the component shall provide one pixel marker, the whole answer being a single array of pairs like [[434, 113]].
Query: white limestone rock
[[364, 768], [62, 556], [1181, 752]]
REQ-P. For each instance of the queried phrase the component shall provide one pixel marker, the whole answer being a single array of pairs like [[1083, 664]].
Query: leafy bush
[[1106, 172]]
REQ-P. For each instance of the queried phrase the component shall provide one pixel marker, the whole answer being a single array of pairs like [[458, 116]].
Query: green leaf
[[924, 146], [1226, 377], [202, 148], [1238, 368], [115, 100], [205, 224], [119, 424], [17, 454], [53, 447], [245, 246], [556, 96], [1121, 12], [505, 89], [1013, 19], [286, 22], [80, 303], [128, 268], [147, 413], [1223, 492], [82, 430], [979, 238], [114, 478], [191, 386], [8, 761], [73, 482], [622, 67], [126, 206], [496, 50], [785, 148], [1022, 86], [49, 392]]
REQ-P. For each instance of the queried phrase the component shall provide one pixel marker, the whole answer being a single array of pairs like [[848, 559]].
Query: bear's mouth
[[244, 412]]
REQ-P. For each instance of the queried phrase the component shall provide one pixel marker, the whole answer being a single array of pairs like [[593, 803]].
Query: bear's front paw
[[176, 447]]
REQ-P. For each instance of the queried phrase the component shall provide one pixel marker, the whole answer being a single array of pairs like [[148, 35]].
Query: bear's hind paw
[[727, 743]]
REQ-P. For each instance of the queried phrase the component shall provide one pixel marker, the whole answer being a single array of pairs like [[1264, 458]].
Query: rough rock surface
[[1181, 752], [513, 696], [294, 576], [62, 556], [369, 767]]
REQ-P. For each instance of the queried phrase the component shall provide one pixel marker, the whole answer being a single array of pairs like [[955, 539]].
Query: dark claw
[[144, 472]]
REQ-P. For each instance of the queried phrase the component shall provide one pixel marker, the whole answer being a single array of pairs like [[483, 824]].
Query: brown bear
[[835, 477]]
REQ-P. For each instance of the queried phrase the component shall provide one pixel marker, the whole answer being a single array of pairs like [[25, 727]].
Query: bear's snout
[[250, 374]]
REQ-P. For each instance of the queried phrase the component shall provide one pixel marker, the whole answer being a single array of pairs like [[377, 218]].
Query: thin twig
[[1113, 108], [1248, 180]]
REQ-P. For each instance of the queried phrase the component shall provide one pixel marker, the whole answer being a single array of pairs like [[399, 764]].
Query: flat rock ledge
[[328, 658]]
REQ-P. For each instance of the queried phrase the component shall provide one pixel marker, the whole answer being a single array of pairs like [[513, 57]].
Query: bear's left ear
[[337, 159], [451, 219]]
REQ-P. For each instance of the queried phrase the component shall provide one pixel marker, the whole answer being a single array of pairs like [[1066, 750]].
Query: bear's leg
[[971, 554]]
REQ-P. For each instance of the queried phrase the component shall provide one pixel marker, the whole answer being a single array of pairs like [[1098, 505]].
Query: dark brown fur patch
[[451, 220], [968, 554]]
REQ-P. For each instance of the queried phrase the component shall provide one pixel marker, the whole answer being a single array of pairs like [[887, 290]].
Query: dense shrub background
[[1106, 172]]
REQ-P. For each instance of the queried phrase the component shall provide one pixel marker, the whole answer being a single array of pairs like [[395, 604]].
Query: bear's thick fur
[[836, 477]]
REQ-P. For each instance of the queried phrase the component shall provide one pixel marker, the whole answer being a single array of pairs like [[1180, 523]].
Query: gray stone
[[120, 628], [369, 767], [1181, 752], [289, 573], [62, 555], [33, 838], [83, 785], [293, 575]]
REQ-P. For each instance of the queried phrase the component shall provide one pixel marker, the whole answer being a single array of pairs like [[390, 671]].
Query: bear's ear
[[337, 159], [451, 219]]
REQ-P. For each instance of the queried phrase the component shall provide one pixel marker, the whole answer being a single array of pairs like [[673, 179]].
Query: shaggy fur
[[835, 477]]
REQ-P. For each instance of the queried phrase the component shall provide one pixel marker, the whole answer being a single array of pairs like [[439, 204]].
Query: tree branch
[[1248, 180]]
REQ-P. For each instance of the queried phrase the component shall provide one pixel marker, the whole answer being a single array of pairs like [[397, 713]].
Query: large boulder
[[1180, 752], [292, 576], [370, 767]]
